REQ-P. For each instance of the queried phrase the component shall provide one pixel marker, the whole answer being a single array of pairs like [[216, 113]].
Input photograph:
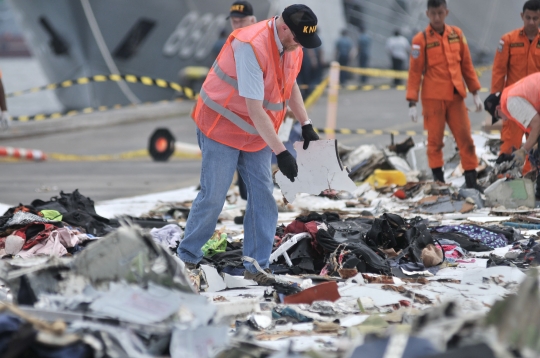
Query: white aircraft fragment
[[319, 169]]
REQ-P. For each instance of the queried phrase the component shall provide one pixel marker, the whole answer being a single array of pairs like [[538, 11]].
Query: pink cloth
[[54, 245], [450, 251]]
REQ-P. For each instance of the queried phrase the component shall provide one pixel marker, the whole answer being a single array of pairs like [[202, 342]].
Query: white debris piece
[[504, 274], [380, 297], [200, 342], [214, 280], [135, 304], [350, 321], [319, 168], [511, 194], [237, 281]]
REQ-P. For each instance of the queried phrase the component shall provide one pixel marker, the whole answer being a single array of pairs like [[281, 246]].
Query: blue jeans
[[363, 63], [218, 165]]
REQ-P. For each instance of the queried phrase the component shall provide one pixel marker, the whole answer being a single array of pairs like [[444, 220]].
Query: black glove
[[504, 158], [309, 134], [287, 164]]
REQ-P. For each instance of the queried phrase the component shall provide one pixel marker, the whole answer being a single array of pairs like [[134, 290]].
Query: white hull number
[[194, 36]]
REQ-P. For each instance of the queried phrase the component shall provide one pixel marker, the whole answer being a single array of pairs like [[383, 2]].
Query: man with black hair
[[517, 56], [440, 62]]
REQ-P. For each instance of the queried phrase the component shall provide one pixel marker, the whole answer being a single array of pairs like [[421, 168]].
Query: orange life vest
[[527, 88], [221, 113]]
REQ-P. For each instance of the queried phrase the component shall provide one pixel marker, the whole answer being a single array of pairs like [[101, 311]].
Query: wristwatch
[[307, 122]]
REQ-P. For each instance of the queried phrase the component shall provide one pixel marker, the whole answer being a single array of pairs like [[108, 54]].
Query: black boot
[[470, 181], [438, 174], [537, 194]]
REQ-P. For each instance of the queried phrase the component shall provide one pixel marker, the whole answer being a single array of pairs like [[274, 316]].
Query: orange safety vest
[[515, 59], [444, 61], [527, 88], [221, 113]]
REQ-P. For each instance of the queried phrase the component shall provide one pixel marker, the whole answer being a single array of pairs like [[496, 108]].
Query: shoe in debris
[[191, 266], [262, 279]]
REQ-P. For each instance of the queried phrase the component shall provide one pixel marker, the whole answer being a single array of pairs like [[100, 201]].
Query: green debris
[[216, 244]]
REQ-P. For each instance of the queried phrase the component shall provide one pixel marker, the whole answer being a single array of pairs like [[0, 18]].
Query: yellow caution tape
[[143, 153], [191, 94], [87, 110], [144, 80], [132, 155], [377, 72], [375, 88], [387, 132], [316, 94]]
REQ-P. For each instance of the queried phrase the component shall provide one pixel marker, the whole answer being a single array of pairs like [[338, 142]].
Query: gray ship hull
[[153, 38]]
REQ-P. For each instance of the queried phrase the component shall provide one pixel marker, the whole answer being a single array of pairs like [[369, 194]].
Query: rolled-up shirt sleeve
[[248, 70]]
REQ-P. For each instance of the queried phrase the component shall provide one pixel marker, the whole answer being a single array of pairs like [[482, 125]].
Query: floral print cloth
[[477, 233]]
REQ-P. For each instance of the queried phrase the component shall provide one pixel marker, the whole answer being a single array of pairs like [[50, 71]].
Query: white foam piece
[[138, 205], [4, 207]]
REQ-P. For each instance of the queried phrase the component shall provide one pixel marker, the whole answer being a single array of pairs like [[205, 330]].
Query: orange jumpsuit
[[445, 61], [516, 58]]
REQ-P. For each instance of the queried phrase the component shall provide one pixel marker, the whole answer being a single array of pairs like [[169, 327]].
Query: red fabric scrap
[[42, 235]]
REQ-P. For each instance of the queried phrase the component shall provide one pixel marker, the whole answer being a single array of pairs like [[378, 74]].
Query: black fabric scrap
[[463, 240], [313, 216], [78, 210]]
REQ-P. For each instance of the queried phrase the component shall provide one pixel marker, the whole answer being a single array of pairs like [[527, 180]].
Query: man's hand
[[309, 134], [519, 157], [5, 120], [287, 164], [478, 103], [413, 114]]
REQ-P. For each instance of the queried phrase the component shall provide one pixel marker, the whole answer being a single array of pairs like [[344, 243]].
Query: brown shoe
[[260, 278], [191, 266]]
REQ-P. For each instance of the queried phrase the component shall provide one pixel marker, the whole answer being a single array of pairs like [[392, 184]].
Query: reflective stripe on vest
[[224, 77], [234, 84], [231, 116]]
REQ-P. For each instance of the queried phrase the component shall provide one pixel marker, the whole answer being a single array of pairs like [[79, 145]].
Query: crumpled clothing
[[452, 251], [311, 227], [477, 233], [169, 235], [35, 239], [448, 242], [24, 218], [54, 245], [69, 238]]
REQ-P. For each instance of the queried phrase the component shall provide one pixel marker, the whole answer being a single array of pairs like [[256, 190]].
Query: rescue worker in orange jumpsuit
[[440, 53], [520, 104], [517, 56]]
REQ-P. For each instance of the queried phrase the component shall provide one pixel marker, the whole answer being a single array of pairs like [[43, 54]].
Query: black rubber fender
[[161, 145]]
